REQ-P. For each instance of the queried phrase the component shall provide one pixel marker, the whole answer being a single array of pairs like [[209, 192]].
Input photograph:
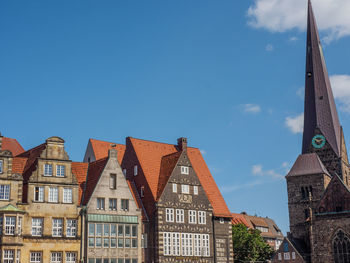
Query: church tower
[[324, 152]]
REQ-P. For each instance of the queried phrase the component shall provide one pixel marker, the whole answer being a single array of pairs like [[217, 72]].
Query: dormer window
[[47, 169], [60, 170], [1, 166], [135, 170], [184, 170]]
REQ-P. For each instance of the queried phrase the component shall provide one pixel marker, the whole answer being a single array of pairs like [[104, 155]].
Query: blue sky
[[228, 75]]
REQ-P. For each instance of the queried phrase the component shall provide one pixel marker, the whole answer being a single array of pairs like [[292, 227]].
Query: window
[[67, 195], [184, 170], [144, 240], [286, 256], [4, 192], [47, 169], [202, 217], [262, 229], [293, 255], [174, 188], [112, 204], [57, 227], [124, 171], [135, 170], [142, 191], [56, 257], [169, 212], [192, 218], [53, 195], [71, 228], [205, 245], [19, 226], [195, 190], [167, 243], [39, 194], [71, 257], [125, 204], [10, 225], [341, 247], [180, 216], [60, 170], [37, 226], [100, 203], [18, 257], [222, 221], [185, 189], [9, 256], [113, 181], [35, 257], [279, 256], [1, 166]]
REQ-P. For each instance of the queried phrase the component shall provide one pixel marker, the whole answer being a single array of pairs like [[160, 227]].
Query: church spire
[[319, 109]]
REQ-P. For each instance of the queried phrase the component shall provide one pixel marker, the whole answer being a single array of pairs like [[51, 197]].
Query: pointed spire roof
[[320, 111]]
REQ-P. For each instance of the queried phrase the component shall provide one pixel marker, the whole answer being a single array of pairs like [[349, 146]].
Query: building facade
[[318, 182]]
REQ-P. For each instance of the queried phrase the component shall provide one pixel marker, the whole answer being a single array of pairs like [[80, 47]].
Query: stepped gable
[[80, 172], [95, 170], [11, 145], [150, 154], [101, 148], [307, 164], [319, 111], [239, 219], [336, 198]]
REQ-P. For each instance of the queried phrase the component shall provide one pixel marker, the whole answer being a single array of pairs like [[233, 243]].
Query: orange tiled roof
[[18, 164], [80, 172], [150, 156], [101, 148], [239, 219], [12, 145]]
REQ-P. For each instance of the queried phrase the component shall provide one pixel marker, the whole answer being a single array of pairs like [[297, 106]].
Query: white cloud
[[301, 92], [251, 108], [258, 170], [293, 39], [232, 188], [295, 124], [341, 90], [269, 47], [282, 15]]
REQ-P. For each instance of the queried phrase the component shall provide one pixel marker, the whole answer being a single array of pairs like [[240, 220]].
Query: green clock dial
[[318, 141]]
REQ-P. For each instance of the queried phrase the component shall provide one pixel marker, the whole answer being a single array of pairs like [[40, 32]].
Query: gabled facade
[[318, 195], [111, 216], [288, 252]]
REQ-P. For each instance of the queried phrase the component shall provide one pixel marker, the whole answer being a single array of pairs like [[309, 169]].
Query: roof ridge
[[105, 141], [159, 142]]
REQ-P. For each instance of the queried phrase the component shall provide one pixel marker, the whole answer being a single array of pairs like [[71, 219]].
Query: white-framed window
[[180, 216], [125, 204], [184, 170], [71, 257], [1, 166], [144, 240], [56, 257], [9, 256], [19, 226], [37, 226], [135, 170], [100, 203], [185, 188], [53, 194], [205, 245], [221, 220], [262, 229], [71, 228], [10, 225], [5, 192], [124, 171], [35, 257], [18, 256], [175, 244], [60, 170], [112, 203], [195, 190], [113, 181], [67, 195], [286, 255], [279, 256], [202, 217], [167, 243], [169, 214], [192, 217], [174, 188], [39, 194], [197, 245], [57, 227], [293, 255], [47, 169]]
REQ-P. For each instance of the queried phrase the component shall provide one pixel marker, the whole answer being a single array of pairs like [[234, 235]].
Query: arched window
[[341, 247]]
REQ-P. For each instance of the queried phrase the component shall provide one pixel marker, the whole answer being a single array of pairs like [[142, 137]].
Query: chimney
[[113, 153], [0, 141], [182, 144]]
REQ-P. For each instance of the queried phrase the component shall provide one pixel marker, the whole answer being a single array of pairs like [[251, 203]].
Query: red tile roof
[[80, 172], [101, 148], [239, 219], [18, 165], [12, 145], [150, 156]]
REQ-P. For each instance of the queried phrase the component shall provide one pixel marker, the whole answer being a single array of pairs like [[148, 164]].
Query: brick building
[[318, 183]]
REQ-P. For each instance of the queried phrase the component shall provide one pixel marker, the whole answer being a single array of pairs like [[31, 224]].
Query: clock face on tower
[[318, 141]]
